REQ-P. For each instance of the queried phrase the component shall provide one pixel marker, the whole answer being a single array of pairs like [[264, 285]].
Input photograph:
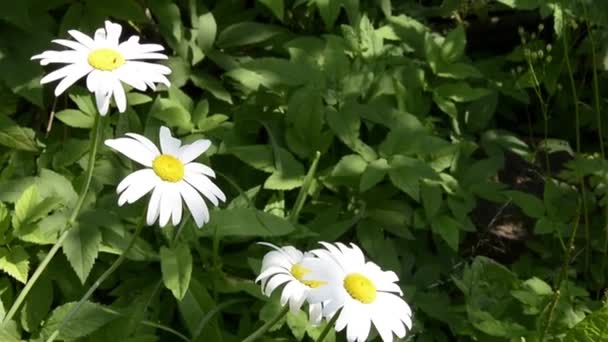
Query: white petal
[[298, 298], [205, 186], [82, 38], [146, 180], [275, 282], [166, 204], [79, 71], [275, 258], [270, 271], [100, 37], [113, 33], [188, 153], [177, 207], [60, 73], [154, 204], [132, 149], [127, 76], [71, 44], [147, 143], [93, 80], [168, 144], [195, 204], [200, 168], [315, 313], [119, 96], [290, 290]]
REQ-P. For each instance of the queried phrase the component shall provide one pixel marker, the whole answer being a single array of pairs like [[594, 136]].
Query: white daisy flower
[[106, 62], [283, 266], [364, 293], [171, 176]]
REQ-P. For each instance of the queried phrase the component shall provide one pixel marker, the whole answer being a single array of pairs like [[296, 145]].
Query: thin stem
[[209, 316], [150, 324], [578, 149], [99, 281], [328, 327], [215, 260], [562, 275], [83, 194], [258, 333], [295, 213]]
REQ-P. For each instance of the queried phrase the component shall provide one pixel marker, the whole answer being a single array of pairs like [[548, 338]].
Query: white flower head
[[171, 176], [365, 293], [283, 266], [107, 62]]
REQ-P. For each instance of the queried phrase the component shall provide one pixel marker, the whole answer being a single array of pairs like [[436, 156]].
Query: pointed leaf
[[81, 248], [176, 266], [88, 318], [15, 262]]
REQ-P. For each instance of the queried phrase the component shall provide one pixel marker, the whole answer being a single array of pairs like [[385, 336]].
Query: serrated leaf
[[176, 267], [407, 172], [15, 262], [25, 205], [75, 118], [594, 328], [9, 332], [449, 230], [81, 248], [15, 136], [244, 222], [90, 317]]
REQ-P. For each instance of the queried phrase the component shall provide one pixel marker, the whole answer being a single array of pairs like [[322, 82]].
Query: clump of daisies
[[337, 280], [107, 63], [171, 174]]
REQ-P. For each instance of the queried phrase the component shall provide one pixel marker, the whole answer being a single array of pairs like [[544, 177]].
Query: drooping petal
[[119, 95], [82, 39], [200, 168], [79, 71], [166, 204], [195, 204], [154, 204], [205, 186], [132, 149], [168, 144], [188, 153], [145, 181]]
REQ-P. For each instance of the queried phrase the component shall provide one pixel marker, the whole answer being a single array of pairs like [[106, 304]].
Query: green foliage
[[443, 137]]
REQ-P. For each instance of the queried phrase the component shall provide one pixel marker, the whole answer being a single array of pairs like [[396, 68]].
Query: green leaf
[[431, 198], [453, 46], [277, 7], [75, 118], [212, 85], [407, 172], [304, 119], [329, 10], [25, 206], [194, 307], [15, 136], [90, 317], [446, 105], [346, 124], [246, 222], [9, 332], [81, 248], [448, 228], [169, 18], [247, 33], [530, 204], [15, 262], [297, 323], [176, 266], [37, 304], [594, 328], [374, 173], [207, 30], [460, 92]]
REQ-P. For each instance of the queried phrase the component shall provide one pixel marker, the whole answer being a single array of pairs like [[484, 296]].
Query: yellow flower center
[[298, 272], [360, 288], [105, 59], [168, 168]]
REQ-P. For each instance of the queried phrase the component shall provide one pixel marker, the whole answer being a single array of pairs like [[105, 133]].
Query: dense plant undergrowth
[[459, 143]]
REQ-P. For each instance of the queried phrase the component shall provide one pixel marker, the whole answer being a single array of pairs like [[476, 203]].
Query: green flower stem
[[99, 281], [258, 333], [328, 327], [47, 259], [299, 204]]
